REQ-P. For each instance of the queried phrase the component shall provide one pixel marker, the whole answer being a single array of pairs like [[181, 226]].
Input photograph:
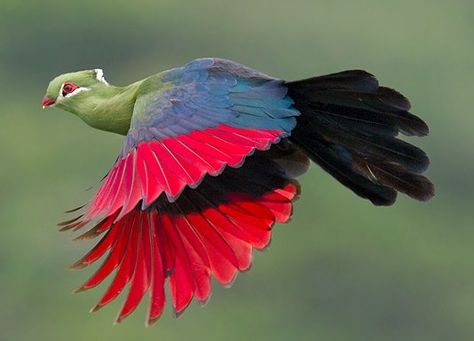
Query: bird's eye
[[68, 88]]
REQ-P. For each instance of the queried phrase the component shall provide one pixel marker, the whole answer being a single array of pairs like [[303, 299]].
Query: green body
[[102, 106]]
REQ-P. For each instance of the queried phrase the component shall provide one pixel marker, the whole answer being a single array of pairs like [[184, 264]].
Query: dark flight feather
[[349, 126]]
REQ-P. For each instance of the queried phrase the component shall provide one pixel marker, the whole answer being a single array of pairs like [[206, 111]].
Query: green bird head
[[68, 89], [88, 95]]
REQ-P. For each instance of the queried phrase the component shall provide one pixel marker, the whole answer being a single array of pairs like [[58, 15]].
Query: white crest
[[99, 75]]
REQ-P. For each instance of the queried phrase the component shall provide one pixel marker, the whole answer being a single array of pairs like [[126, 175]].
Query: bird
[[209, 163]]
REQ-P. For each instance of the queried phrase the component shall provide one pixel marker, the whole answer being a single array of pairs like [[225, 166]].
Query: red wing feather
[[169, 165], [146, 247], [157, 292]]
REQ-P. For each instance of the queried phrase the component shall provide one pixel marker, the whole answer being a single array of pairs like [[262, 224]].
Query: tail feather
[[337, 162], [355, 80], [385, 108], [416, 186], [348, 125], [377, 147]]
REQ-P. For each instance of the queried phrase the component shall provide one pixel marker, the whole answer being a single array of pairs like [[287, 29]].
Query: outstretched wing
[[205, 116], [208, 231], [163, 217]]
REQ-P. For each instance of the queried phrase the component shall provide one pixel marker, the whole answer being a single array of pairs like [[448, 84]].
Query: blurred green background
[[342, 269]]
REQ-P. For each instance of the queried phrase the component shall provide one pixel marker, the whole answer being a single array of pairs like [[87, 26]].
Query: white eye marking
[[75, 92], [99, 75], [78, 90]]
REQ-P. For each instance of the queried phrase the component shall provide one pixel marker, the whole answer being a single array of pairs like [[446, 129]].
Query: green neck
[[108, 108]]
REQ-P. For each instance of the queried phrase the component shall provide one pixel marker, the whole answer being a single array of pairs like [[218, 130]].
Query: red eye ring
[[68, 87]]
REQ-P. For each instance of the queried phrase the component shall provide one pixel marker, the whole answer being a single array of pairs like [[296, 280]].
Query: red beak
[[47, 101]]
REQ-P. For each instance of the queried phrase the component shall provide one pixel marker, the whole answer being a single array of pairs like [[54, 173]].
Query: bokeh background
[[341, 269]]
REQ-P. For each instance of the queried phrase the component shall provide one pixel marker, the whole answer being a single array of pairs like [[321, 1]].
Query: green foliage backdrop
[[341, 269]]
